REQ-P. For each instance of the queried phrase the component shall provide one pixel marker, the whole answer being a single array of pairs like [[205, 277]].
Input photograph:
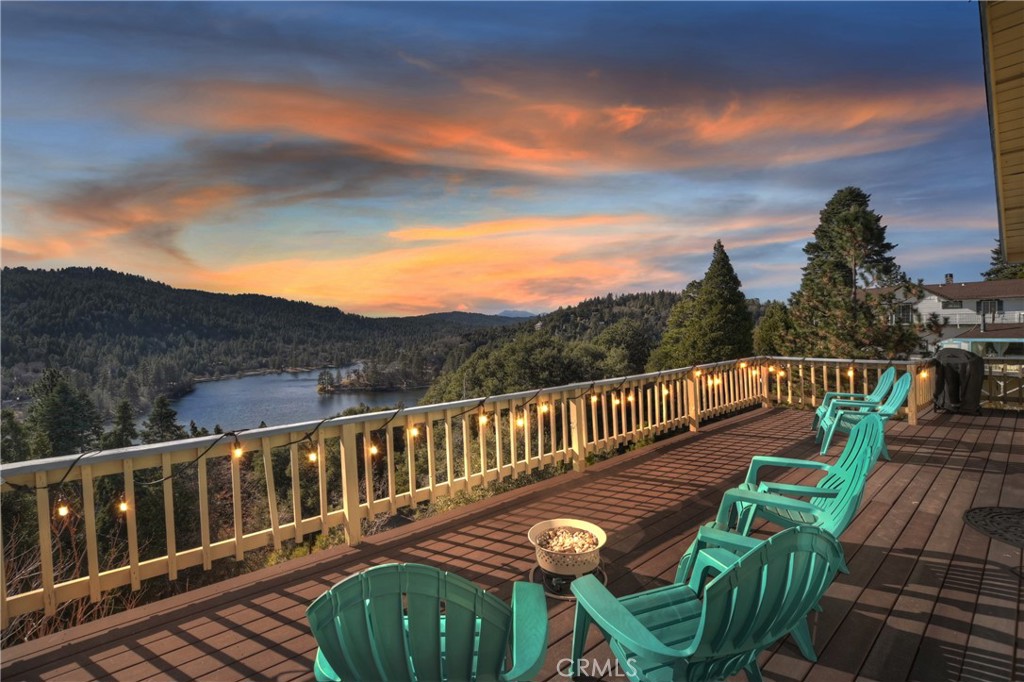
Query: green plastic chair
[[874, 398], [689, 631], [843, 415], [832, 504], [412, 622]]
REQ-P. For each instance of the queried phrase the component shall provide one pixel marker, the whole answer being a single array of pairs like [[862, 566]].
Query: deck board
[[927, 598]]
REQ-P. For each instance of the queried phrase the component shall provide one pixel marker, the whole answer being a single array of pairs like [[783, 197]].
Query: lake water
[[282, 398]]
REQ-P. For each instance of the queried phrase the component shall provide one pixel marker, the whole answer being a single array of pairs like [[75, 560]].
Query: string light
[[782, 373], [414, 431], [743, 365], [629, 397], [665, 391], [615, 401], [923, 374], [236, 449], [697, 372], [483, 419], [312, 455], [520, 422], [849, 372], [718, 380], [545, 408], [374, 449], [593, 398], [771, 368], [62, 508], [123, 505]]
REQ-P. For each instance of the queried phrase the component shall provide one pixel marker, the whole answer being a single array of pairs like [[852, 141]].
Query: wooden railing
[[1004, 383], [176, 505]]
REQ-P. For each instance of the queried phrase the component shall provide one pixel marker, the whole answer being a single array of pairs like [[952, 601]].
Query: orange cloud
[[519, 225], [489, 126]]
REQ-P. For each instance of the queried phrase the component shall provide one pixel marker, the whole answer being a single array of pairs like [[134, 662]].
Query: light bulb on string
[[782, 373], [544, 407], [697, 372], [615, 401], [374, 449], [665, 391], [593, 398], [849, 372], [122, 506], [414, 431], [483, 419], [520, 422], [62, 508], [743, 365], [311, 455], [629, 397]]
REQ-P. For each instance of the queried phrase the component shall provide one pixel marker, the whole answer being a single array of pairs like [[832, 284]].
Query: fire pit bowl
[[567, 562]]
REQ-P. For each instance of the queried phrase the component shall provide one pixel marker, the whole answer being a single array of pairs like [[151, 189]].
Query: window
[[952, 305], [903, 313], [990, 306]]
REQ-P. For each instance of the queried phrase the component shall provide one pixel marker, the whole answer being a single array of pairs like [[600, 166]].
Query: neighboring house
[[995, 340], [967, 306]]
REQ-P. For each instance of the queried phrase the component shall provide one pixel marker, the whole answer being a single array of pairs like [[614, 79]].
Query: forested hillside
[[123, 336], [597, 338]]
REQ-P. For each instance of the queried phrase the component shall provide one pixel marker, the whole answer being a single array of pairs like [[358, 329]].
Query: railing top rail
[[248, 435], [310, 427], [850, 361]]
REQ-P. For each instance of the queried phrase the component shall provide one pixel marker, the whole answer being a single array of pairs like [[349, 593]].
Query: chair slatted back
[[849, 474], [896, 398], [364, 626], [884, 384], [760, 599]]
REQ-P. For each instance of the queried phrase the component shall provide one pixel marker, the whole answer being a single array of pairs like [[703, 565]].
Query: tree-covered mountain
[[597, 338], [123, 336]]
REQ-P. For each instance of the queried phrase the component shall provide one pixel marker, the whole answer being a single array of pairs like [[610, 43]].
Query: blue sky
[[403, 158]]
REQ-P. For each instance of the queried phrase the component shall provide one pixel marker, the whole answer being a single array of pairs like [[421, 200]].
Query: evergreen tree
[[771, 335], [999, 268], [124, 433], [162, 424], [14, 438], [64, 415], [832, 316], [716, 324], [668, 353]]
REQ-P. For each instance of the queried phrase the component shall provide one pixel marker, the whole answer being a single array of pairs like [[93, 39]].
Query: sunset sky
[[396, 159]]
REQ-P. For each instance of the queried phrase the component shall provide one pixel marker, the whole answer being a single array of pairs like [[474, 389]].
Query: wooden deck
[[927, 598]]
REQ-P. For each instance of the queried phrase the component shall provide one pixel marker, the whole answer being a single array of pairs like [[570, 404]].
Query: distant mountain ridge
[[516, 313], [121, 335]]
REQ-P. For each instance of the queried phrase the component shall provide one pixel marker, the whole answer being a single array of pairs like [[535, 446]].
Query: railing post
[[578, 431], [350, 485], [692, 402], [766, 398], [912, 398]]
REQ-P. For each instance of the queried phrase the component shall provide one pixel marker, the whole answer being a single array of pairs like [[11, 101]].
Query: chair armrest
[[616, 620], [529, 631], [759, 499], [713, 561], [798, 490], [832, 395], [854, 404], [765, 460], [709, 536]]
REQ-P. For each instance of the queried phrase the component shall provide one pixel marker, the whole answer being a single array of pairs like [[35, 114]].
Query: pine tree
[[64, 415], [668, 353], [162, 424], [715, 325], [832, 316], [124, 433], [14, 438], [999, 268], [771, 335]]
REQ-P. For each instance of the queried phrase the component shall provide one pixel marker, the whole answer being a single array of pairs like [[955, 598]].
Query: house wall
[[959, 319]]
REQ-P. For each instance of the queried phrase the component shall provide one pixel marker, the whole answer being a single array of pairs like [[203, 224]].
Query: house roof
[[963, 291], [994, 331], [960, 291]]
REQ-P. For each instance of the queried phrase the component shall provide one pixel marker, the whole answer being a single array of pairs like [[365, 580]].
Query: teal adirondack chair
[[689, 631], [843, 415], [833, 502], [875, 397], [412, 622]]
